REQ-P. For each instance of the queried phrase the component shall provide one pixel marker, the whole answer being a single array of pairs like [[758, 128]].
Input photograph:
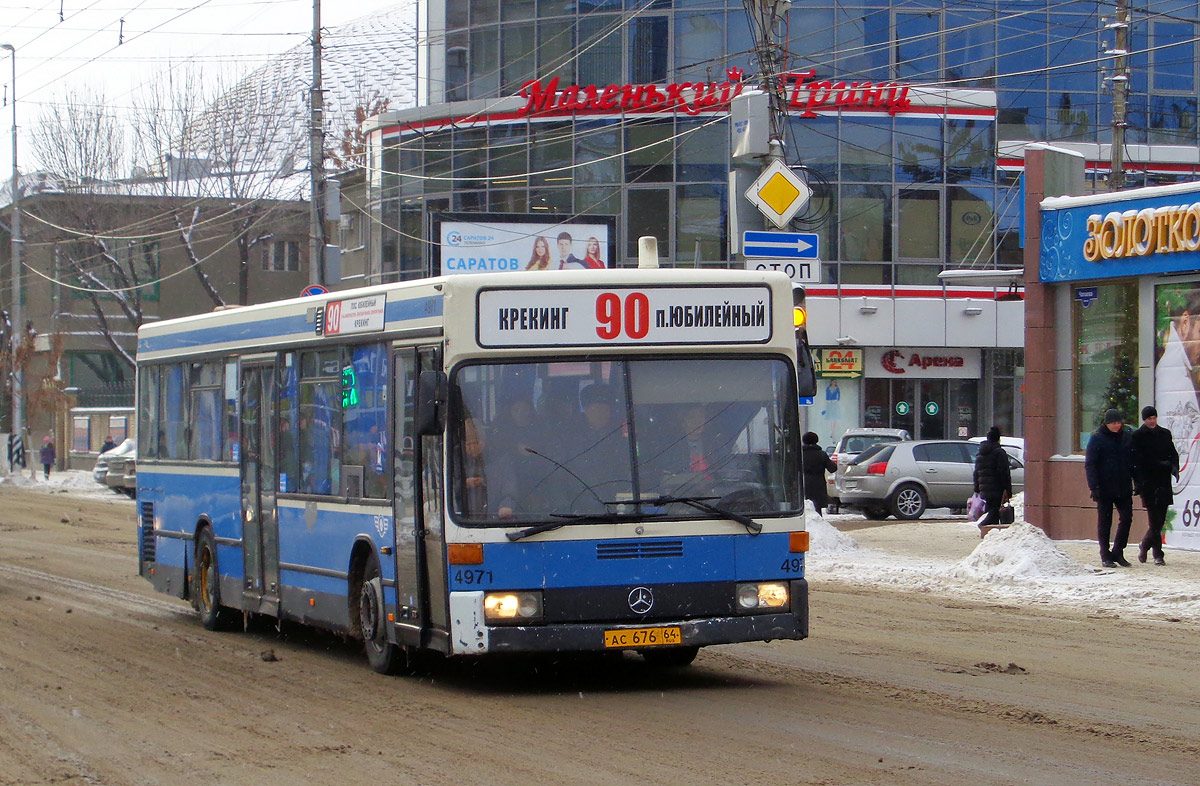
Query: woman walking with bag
[[993, 477]]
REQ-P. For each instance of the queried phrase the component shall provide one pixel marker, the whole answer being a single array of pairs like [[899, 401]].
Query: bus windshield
[[538, 442]]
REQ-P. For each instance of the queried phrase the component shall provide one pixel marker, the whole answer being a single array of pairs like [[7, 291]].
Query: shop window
[[818, 138], [867, 149], [484, 63], [550, 155], [970, 226], [919, 151], [484, 11], [1173, 56], [600, 50], [703, 151], [700, 224], [518, 43], [866, 224], [1106, 360], [649, 213], [970, 49], [595, 141], [556, 43], [650, 152], [916, 47], [920, 225], [648, 50], [697, 37], [970, 151]]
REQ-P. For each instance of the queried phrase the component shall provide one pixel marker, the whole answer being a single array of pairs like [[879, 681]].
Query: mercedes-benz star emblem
[[641, 600]]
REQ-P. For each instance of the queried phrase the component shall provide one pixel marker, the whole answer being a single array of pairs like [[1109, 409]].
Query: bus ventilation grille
[[642, 550], [148, 532]]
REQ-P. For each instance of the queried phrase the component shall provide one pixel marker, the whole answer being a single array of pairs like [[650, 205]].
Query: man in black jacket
[[1157, 462], [1109, 465], [993, 477]]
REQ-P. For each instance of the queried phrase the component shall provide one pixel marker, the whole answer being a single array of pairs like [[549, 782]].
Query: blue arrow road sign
[[781, 245]]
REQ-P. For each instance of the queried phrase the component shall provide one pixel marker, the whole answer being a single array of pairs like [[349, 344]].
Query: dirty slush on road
[[102, 681]]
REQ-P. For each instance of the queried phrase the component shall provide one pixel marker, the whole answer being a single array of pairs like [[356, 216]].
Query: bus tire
[[206, 584], [384, 656], [670, 657]]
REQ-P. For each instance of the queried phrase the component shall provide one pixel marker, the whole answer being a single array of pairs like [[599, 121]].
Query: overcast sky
[[91, 47]]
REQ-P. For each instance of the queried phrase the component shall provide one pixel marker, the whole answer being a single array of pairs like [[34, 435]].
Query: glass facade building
[[899, 196]]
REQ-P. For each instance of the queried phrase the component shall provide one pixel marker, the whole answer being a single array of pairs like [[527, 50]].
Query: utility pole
[[316, 160], [766, 17], [1120, 91], [16, 318]]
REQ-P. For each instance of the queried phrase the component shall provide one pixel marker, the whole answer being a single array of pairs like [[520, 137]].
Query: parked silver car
[[122, 474], [903, 479], [100, 470], [853, 442]]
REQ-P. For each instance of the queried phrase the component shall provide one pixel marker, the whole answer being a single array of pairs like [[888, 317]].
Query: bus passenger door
[[260, 528], [411, 595]]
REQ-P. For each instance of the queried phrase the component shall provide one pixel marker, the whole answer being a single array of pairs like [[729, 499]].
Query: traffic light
[[806, 375]]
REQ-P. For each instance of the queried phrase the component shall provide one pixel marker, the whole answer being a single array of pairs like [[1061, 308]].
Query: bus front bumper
[[469, 638]]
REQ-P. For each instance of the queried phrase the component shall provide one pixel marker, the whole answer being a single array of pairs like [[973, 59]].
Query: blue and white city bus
[[526, 462]]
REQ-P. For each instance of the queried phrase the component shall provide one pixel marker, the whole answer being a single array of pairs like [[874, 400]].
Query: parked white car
[[1013, 446]]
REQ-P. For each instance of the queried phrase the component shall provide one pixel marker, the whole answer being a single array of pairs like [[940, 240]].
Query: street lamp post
[[17, 323]]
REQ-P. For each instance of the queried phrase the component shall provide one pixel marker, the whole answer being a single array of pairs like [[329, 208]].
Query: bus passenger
[[602, 459], [487, 479]]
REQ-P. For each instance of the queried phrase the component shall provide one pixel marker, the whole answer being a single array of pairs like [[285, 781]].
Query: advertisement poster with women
[[503, 244], [1176, 382]]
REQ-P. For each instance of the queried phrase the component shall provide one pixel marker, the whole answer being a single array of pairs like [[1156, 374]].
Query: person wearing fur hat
[[1157, 462], [1109, 465]]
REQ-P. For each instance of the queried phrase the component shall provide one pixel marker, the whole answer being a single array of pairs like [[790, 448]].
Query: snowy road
[[935, 658]]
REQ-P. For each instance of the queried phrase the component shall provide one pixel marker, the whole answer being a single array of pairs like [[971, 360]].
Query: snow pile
[[825, 540], [1018, 506], [77, 482], [1021, 551]]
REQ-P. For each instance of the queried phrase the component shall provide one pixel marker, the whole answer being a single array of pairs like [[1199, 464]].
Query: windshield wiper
[[578, 518], [703, 503]]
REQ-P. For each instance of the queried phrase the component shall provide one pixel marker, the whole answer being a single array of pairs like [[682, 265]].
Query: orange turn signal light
[[797, 541], [465, 553]]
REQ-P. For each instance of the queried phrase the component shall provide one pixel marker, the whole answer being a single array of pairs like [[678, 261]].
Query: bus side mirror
[[431, 403], [806, 373]]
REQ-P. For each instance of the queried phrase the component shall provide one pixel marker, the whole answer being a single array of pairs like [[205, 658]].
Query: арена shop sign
[[922, 363]]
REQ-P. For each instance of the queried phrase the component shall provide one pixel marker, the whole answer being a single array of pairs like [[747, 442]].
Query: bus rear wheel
[[384, 656], [670, 657], [206, 584]]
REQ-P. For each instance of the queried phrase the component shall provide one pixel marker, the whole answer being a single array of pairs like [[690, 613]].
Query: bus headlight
[[761, 596], [512, 607]]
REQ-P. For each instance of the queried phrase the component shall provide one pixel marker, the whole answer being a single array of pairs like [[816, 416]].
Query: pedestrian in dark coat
[[48, 455], [815, 462], [993, 477], [108, 445], [1157, 462], [1109, 464]]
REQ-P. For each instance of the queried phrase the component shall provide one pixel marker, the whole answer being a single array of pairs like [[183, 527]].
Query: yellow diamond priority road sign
[[778, 193]]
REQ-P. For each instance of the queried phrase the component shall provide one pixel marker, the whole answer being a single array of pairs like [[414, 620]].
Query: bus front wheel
[[384, 656], [206, 588]]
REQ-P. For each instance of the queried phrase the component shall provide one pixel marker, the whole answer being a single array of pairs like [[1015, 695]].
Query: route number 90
[[614, 317]]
